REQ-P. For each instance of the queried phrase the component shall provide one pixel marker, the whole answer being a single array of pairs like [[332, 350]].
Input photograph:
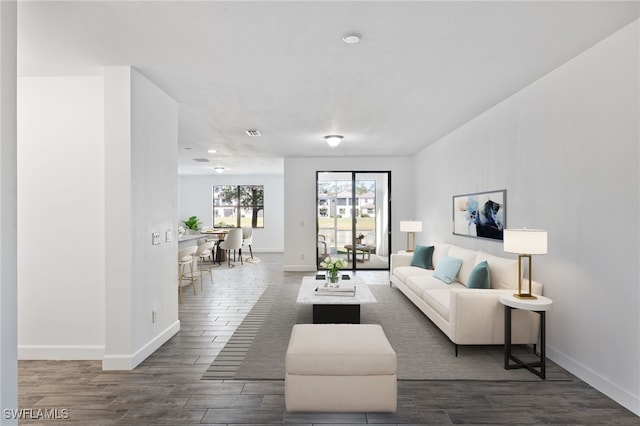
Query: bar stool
[[185, 257], [205, 251]]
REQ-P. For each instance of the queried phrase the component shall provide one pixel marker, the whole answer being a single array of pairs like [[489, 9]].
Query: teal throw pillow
[[480, 276], [447, 269], [422, 257]]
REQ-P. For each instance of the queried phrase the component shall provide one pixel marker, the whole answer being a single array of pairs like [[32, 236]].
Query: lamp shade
[[525, 241], [410, 226]]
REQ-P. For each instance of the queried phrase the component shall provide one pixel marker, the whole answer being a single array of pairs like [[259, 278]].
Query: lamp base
[[525, 296]]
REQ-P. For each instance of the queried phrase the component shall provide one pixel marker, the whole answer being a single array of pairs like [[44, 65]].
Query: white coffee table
[[334, 309]]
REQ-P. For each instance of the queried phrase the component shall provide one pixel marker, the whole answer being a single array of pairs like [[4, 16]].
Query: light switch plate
[[155, 238], [167, 236]]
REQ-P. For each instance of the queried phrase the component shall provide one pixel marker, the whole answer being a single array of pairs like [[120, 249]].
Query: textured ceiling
[[421, 70]]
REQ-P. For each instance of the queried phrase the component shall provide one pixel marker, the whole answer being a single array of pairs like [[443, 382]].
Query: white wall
[[8, 211], [196, 198], [300, 201], [118, 218], [154, 118], [61, 209], [566, 148], [141, 192]]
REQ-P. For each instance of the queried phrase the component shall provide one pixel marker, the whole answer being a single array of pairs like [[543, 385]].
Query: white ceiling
[[421, 70]]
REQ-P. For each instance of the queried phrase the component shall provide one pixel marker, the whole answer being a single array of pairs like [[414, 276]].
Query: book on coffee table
[[343, 290], [342, 287]]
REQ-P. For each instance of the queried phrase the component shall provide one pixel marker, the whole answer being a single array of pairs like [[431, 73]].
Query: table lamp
[[410, 227], [525, 242]]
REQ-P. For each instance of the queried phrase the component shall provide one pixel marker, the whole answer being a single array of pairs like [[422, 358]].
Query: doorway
[[353, 218]]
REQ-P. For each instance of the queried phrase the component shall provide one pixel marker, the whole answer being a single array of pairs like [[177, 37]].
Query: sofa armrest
[[400, 259], [477, 317], [468, 306], [536, 287]]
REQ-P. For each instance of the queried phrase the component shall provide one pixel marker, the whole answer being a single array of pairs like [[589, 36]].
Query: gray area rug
[[423, 351]]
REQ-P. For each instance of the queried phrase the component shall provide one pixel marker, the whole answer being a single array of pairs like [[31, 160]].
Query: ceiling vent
[[253, 132], [201, 160]]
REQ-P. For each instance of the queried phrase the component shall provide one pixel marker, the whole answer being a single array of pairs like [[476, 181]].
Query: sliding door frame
[[354, 173]]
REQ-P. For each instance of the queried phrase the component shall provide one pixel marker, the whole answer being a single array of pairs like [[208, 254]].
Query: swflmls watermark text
[[36, 413]]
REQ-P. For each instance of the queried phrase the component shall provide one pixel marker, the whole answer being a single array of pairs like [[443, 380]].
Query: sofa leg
[[456, 346]]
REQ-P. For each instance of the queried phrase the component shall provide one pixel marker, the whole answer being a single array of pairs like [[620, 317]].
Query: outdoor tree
[[327, 187], [249, 197]]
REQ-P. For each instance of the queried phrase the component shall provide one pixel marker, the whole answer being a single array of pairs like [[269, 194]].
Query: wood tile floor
[[167, 387]]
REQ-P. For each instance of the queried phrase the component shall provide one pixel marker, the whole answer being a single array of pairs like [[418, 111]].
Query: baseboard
[[263, 250], [622, 396], [299, 268], [131, 361], [60, 352]]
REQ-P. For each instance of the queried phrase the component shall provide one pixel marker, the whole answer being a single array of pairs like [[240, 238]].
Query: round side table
[[540, 305]]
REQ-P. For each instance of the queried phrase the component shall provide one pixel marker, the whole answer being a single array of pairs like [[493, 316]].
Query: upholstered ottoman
[[340, 367]]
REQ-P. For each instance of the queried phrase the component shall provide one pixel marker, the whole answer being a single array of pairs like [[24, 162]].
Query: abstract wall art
[[480, 215]]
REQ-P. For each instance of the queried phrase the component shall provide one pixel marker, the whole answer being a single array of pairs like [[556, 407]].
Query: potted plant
[[359, 238], [192, 224]]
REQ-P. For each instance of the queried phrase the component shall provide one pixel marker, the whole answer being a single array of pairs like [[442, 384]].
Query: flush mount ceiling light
[[219, 169], [351, 38], [212, 151], [333, 140]]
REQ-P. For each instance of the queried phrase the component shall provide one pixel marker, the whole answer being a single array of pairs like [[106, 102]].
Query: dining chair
[[247, 238], [233, 241], [205, 251], [185, 257]]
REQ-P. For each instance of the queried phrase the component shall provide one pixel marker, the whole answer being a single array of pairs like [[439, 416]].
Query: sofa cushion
[[480, 276], [422, 257], [404, 272], [447, 269], [438, 299], [468, 258], [503, 271], [419, 283], [439, 250]]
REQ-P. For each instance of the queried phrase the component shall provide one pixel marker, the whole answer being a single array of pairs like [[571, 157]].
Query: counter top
[[187, 237]]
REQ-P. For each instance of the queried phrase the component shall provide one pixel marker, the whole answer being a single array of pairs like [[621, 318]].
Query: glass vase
[[333, 279]]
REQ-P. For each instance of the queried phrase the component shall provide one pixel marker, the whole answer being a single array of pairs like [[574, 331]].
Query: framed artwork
[[480, 215]]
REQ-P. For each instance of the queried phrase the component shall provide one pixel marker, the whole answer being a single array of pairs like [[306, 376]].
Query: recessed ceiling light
[[201, 160], [219, 169], [351, 38], [187, 148], [253, 132], [333, 140], [212, 151]]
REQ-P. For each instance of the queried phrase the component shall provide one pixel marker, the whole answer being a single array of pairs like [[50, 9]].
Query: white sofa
[[468, 316]]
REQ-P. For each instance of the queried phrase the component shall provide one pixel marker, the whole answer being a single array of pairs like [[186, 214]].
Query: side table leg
[[543, 345], [507, 336]]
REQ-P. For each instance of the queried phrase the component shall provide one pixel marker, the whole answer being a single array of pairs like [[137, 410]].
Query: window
[[238, 205]]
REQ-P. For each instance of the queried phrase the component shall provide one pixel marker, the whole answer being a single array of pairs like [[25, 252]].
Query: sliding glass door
[[353, 219]]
